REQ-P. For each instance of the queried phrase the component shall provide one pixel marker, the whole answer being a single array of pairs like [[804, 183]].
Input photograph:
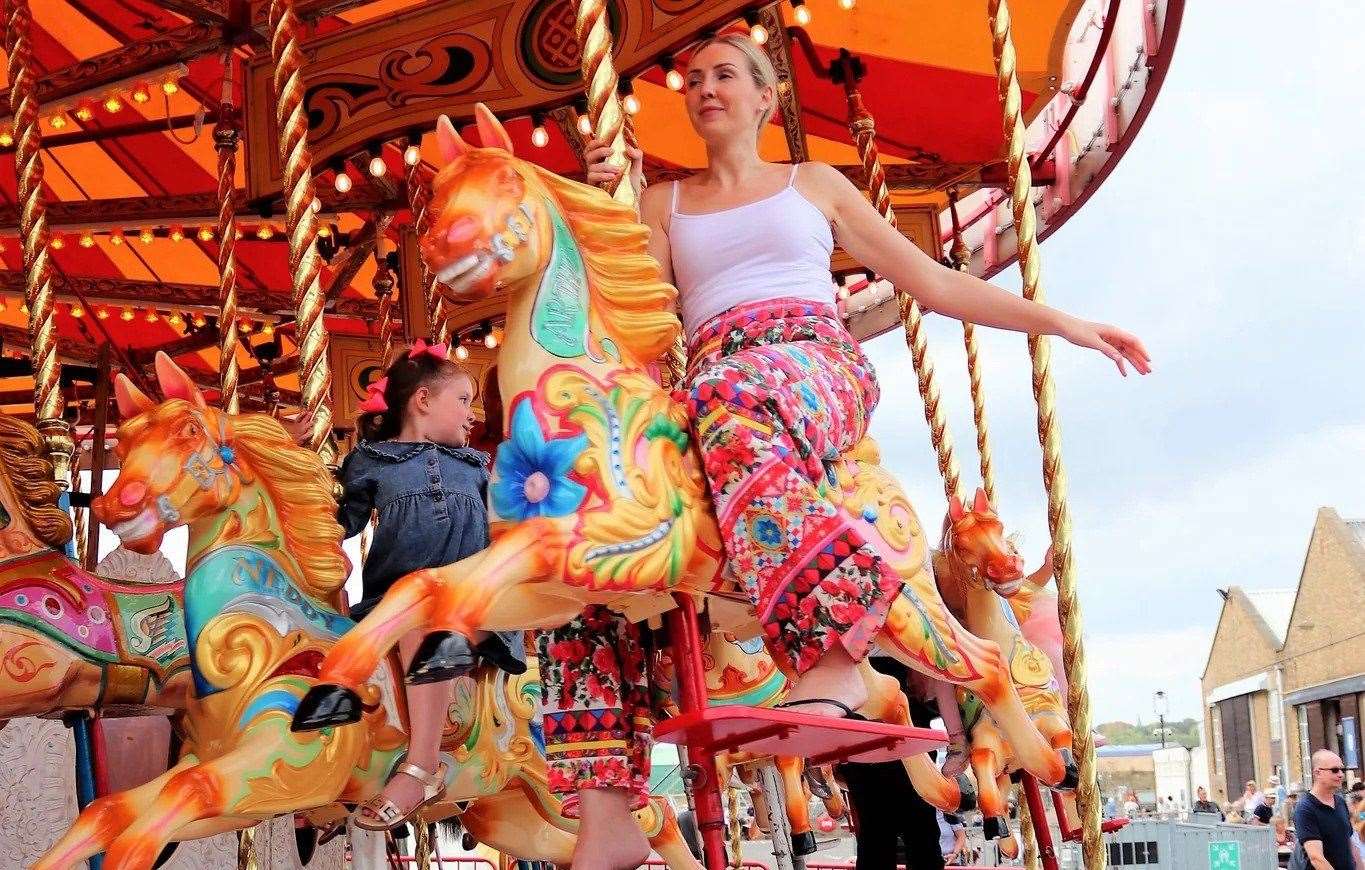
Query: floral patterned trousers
[[597, 715], [778, 390]]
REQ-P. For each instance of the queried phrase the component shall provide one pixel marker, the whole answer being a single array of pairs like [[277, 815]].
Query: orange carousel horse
[[613, 507], [262, 604]]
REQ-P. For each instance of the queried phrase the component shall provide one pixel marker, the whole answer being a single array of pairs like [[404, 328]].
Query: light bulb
[[57, 121], [116, 237], [461, 353], [244, 327], [57, 243], [490, 341], [6, 138], [3, 306], [316, 206], [145, 236], [324, 231], [758, 33], [267, 329], [112, 103], [176, 320], [802, 13], [102, 313], [378, 167], [152, 316], [77, 311], [342, 182], [845, 4], [84, 112], [264, 232], [126, 315], [205, 234], [140, 93], [412, 155], [87, 240], [170, 86], [631, 104], [199, 320], [177, 234], [674, 80], [585, 125], [540, 137]]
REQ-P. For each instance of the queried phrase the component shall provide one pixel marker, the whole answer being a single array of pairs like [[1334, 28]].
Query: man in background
[[1321, 821]]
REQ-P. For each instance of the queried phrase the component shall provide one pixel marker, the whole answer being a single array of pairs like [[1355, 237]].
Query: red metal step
[[818, 739]]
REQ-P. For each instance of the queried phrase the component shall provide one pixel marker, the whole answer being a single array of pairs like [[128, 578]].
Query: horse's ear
[[131, 400], [448, 141], [981, 504], [955, 509], [175, 384], [491, 132]]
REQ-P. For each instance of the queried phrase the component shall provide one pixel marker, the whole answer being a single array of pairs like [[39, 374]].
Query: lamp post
[[1161, 705]]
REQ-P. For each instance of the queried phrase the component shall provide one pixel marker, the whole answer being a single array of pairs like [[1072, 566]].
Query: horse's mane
[[30, 479], [301, 488], [630, 300]]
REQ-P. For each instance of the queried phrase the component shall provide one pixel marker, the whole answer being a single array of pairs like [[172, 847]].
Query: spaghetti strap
[[673, 204], [791, 180]]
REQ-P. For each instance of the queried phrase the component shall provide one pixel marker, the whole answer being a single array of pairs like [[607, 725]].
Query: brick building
[[1286, 671]]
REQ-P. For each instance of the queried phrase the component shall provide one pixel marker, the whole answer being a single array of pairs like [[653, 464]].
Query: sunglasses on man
[[1333, 769]]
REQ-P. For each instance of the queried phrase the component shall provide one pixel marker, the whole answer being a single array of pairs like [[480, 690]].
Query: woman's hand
[[1111, 341], [595, 154], [299, 426]]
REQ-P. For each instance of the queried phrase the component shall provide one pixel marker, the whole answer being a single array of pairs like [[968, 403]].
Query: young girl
[[415, 469], [777, 383]]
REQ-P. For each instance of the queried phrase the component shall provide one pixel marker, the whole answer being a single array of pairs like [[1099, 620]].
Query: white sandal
[[383, 814]]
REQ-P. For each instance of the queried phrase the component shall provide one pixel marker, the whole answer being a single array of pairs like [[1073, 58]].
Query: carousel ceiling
[[131, 91]]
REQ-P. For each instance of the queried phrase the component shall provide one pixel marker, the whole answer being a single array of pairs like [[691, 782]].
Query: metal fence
[[1169, 845]]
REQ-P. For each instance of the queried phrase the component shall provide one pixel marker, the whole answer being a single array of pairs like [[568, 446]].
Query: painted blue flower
[[533, 473]]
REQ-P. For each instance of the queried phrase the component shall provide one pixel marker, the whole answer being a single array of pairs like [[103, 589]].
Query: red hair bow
[[374, 397], [436, 351]]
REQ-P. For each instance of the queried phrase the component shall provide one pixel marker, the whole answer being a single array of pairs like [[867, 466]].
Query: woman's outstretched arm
[[870, 240]]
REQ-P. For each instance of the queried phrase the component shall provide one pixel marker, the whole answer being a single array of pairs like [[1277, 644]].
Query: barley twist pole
[[1049, 435]]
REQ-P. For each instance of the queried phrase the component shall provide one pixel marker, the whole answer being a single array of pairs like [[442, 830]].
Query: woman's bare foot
[[834, 677], [608, 837]]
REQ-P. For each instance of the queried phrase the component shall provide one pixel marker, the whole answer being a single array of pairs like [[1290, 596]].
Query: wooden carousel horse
[[973, 538], [70, 640], [262, 597], [598, 494]]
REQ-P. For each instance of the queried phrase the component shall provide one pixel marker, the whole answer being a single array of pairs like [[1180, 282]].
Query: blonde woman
[[777, 386]]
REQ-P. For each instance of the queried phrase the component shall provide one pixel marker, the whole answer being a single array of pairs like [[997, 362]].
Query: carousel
[[214, 214]]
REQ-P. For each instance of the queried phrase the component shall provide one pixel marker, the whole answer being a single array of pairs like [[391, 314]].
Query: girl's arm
[[357, 499], [870, 240]]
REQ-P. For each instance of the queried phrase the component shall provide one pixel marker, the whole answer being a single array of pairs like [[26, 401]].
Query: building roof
[[1132, 750], [1274, 607]]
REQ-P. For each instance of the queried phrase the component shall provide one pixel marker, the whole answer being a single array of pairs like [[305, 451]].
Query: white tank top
[[778, 247]]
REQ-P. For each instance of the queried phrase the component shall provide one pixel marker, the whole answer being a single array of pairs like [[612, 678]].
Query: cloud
[[1128, 668]]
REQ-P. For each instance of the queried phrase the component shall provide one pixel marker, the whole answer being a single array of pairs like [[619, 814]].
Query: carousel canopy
[[132, 91]]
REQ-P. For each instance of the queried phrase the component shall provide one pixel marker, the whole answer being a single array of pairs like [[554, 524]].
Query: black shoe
[[967, 790], [325, 706], [493, 649], [995, 828], [443, 655], [803, 844], [1072, 778]]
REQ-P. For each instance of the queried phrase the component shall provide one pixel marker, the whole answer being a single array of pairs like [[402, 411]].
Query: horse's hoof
[[965, 788], [306, 839], [325, 706], [443, 655], [166, 854], [1072, 778], [468, 841], [995, 828], [803, 843]]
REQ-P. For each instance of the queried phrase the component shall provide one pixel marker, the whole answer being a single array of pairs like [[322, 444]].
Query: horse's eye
[[190, 430]]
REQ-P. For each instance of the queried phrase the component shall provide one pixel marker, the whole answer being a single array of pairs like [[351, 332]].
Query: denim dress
[[432, 505]]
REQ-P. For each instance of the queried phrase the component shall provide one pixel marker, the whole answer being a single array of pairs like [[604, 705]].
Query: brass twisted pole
[[960, 257], [1049, 435], [1026, 831], [384, 285], [246, 849], [419, 196], [863, 127], [604, 103], [301, 223], [225, 136], [38, 291]]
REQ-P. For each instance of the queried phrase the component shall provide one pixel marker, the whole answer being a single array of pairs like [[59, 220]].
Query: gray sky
[[1231, 238]]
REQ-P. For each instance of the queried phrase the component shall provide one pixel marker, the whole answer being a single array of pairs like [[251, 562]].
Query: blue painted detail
[[227, 454], [870, 514], [276, 700]]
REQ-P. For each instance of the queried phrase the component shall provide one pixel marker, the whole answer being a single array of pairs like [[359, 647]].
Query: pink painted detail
[[46, 604], [1151, 43], [990, 242], [537, 487], [1111, 85], [462, 230], [132, 493]]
